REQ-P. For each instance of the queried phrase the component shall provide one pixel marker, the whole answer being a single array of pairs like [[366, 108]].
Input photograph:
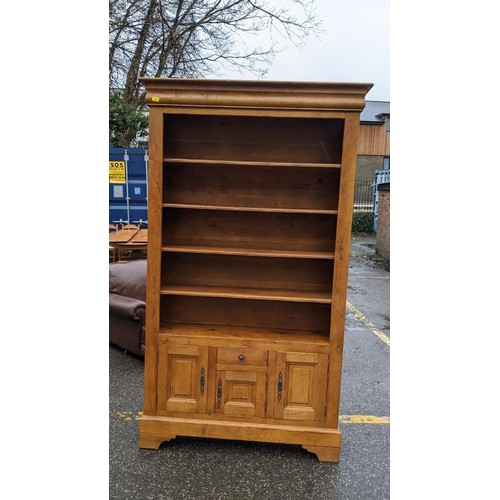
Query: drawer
[[243, 356]]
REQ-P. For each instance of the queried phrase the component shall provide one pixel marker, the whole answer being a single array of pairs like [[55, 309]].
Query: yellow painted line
[[359, 315], [128, 416], [363, 419]]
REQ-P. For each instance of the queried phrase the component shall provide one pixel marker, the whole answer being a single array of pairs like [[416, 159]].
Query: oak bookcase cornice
[[255, 94]]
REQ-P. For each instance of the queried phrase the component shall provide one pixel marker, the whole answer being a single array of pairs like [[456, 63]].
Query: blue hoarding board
[[128, 186]]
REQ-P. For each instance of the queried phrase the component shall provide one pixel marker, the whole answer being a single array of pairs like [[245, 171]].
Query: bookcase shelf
[[268, 139], [242, 163], [257, 187], [250, 193], [254, 252], [250, 209], [233, 335], [248, 293]]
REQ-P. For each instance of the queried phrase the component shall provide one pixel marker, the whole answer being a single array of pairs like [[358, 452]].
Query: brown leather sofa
[[127, 305]]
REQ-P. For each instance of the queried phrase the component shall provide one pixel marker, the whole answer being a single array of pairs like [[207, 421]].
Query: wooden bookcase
[[250, 207]]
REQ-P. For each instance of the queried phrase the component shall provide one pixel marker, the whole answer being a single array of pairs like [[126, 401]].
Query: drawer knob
[[241, 357]]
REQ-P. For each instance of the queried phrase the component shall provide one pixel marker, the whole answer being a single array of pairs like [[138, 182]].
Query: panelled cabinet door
[[182, 378], [241, 393], [301, 380]]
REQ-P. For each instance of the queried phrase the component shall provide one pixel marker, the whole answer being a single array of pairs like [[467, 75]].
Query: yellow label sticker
[[155, 99], [117, 172]]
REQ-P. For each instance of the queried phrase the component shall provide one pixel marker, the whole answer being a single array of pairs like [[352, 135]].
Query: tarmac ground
[[193, 468]]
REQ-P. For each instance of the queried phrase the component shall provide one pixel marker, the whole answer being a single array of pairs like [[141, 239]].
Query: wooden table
[[140, 238], [129, 239], [122, 236]]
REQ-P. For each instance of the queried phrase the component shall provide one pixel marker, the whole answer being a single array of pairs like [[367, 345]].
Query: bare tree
[[197, 38]]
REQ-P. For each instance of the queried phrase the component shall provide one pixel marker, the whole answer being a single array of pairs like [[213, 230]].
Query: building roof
[[375, 111]]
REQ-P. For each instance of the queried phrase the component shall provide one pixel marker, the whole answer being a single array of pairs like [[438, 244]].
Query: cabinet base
[[151, 441], [324, 443], [325, 453]]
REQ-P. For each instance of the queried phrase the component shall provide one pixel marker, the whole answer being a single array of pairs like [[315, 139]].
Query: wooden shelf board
[[251, 252], [228, 332], [250, 209], [200, 161], [248, 293]]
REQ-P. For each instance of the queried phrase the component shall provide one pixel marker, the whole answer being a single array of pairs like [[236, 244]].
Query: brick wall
[[382, 242]]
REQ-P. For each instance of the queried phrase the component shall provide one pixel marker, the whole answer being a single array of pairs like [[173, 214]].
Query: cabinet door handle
[[280, 386], [219, 393], [202, 381]]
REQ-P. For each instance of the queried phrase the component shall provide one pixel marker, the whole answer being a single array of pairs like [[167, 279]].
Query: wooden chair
[[113, 228], [130, 226]]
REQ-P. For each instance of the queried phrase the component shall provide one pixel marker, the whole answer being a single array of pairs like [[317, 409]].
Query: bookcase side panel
[[342, 249], [155, 193]]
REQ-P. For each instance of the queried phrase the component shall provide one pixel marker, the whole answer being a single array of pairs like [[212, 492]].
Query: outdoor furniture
[[250, 209], [129, 244], [127, 305], [113, 253]]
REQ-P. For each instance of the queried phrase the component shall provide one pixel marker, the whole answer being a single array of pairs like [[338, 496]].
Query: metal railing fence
[[363, 196]]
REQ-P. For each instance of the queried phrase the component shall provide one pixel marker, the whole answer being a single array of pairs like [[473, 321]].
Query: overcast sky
[[355, 48]]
